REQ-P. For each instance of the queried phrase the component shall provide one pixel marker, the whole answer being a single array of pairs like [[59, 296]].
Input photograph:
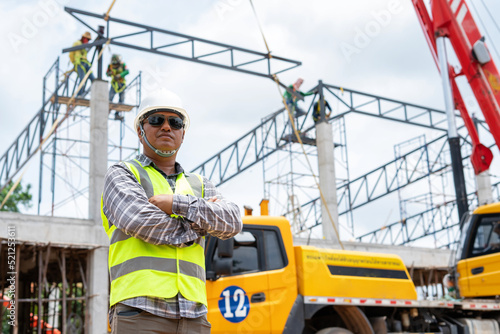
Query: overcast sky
[[372, 46]]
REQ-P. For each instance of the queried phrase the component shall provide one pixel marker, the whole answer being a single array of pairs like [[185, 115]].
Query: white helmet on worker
[[161, 99]]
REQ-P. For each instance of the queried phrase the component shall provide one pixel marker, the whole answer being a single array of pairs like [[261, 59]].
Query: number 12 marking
[[234, 304], [239, 297]]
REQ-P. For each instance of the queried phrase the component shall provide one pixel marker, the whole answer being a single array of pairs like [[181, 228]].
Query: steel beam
[[269, 136], [272, 64]]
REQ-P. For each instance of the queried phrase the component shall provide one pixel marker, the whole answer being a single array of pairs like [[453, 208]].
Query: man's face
[[163, 137], [85, 40]]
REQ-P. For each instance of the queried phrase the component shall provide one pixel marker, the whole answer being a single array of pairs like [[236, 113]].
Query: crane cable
[[69, 108], [296, 132]]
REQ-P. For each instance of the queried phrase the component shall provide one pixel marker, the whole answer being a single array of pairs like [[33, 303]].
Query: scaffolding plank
[[86, 103], [120, 107], [305, 139]]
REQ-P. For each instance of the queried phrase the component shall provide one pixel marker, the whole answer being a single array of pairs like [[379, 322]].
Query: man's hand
[[213, 199], [163, 202]]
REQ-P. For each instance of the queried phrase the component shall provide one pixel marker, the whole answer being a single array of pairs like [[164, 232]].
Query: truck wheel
[[334, 330]]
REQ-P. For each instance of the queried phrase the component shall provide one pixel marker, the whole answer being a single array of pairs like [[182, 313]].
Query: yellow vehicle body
[[351, 274], [309, 271], [479, 269], [479, 276], [488, 209]]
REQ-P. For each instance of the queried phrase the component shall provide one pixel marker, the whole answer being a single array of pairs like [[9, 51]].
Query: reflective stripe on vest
[[138, 268]]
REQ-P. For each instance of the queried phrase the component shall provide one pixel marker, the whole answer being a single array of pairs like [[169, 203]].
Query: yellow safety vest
[[138, 268], [114, 82], [79, 56]]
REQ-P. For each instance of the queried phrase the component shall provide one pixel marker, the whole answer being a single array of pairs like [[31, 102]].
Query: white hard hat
[[161, 99]]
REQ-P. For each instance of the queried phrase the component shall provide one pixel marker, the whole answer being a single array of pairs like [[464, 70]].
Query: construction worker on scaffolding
[[117, 70], [80, 62], [292, 101], [156, 216], [316, 115]]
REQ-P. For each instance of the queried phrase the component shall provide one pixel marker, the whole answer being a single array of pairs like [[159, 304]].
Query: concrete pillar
[[98, 259], [98, 290], [483, 183], [99, 109], [327, 180]]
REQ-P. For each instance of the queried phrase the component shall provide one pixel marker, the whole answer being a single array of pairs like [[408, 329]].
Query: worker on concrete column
[[156, 216], [117, 70], [80, 62], [317, 111], [292, 101]]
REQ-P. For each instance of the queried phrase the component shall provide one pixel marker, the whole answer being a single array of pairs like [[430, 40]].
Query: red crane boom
[[453, 19]]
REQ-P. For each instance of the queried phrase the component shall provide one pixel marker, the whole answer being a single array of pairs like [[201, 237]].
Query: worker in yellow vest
[[117, 70], [156, 216], [80, 62]]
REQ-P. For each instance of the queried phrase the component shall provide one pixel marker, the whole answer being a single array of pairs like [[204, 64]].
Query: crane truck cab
[[260, 282], [478, 255]]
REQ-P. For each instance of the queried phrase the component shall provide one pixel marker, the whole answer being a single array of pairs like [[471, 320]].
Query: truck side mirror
[[223, 262], [223, 266], [225, 248]]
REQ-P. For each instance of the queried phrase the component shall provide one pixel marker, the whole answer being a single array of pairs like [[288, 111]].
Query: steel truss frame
[[230, 59], [271, 134], [63, 143]]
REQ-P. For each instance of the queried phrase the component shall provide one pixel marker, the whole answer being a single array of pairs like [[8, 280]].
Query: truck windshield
[[487, 238]]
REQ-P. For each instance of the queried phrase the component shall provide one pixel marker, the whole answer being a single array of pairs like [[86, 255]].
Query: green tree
[[20, 196]]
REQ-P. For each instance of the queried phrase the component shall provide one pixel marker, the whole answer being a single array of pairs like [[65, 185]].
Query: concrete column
[[98, 290], [327, 180], [99, 109], [483, 183], [98, 259]]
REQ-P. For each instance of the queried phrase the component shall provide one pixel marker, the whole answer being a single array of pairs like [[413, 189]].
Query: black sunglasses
[[174, 122]]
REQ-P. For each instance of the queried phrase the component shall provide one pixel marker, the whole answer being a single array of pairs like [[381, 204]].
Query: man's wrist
[[180, 205]]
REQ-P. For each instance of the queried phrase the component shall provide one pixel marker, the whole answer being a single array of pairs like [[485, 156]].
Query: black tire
[[334, 330]]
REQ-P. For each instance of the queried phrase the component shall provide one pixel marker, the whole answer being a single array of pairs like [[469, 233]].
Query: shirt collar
[[145, 161]]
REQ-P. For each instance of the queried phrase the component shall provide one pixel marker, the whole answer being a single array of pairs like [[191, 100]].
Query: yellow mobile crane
[[259, 282]]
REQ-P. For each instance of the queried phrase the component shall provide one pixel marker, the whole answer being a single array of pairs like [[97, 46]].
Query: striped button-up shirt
[[126, 206]]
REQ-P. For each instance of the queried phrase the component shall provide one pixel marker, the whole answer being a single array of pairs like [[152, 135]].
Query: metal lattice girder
[[251, 148], [388, 178], [419, 226], [266, 138], [181, 46], [422, 225], [26, 144], [372, 105], [402, 171], [55, 86]]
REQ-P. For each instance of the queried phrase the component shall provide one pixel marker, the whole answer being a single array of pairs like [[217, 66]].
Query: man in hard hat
[[156, 216], [316, 115], [292, 101], [80, 62], [117, 70]]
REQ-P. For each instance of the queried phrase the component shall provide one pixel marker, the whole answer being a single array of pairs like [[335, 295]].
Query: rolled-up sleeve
[[126, 206], [221, 219]]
